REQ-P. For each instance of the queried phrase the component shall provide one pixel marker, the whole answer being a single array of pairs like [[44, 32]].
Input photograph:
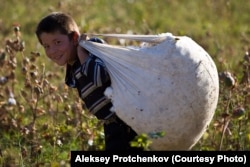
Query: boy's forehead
[[51, 36]]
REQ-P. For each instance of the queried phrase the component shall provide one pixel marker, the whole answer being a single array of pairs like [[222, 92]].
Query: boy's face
[[58, 47]]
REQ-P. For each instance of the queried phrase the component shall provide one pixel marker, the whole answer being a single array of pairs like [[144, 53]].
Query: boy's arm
[[96, 71], [95, 68]]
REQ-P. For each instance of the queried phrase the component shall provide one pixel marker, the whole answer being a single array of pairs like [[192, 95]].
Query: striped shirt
[[91, 79]]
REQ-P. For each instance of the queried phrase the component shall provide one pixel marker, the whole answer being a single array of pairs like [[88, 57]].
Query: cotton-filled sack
[[170, 85]]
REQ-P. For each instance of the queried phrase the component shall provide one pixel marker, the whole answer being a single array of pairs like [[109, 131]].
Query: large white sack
[[170, 87]]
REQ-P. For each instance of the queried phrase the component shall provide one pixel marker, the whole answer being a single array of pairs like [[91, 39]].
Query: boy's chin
[[61, 63]]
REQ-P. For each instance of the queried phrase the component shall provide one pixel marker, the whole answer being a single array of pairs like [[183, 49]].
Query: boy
[[58, 34]]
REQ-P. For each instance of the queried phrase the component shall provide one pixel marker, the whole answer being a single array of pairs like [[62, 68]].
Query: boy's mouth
[[57, 57]]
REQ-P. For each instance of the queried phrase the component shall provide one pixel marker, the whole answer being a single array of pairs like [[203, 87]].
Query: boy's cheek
[[47, 55]]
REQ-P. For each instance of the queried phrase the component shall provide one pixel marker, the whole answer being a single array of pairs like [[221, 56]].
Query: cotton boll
[[59, 142], [12, 101], [3, 80], [108, 92], [90, 142], [112, 109]]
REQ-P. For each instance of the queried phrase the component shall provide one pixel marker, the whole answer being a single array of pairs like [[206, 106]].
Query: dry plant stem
[[34, 112], [226, 122], [245, 146], [228, 102], [238, 139], [21, 156]]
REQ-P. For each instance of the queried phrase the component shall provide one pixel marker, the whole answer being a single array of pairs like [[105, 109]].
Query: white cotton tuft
[[108, 92], [12, 101], [112, 109]]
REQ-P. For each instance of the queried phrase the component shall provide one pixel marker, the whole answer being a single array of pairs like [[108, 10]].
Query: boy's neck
[[71, 62]]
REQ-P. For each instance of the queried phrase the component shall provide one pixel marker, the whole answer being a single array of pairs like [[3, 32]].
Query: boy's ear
[[75, 38]]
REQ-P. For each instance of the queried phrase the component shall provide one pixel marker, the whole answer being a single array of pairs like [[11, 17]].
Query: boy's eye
[[57, 42], [45, 46]]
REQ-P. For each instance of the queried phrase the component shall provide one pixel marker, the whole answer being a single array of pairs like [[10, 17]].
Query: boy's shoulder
[[92, 56]]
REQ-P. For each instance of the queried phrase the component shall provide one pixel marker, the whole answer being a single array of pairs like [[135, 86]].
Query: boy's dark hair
[[57, 21]]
